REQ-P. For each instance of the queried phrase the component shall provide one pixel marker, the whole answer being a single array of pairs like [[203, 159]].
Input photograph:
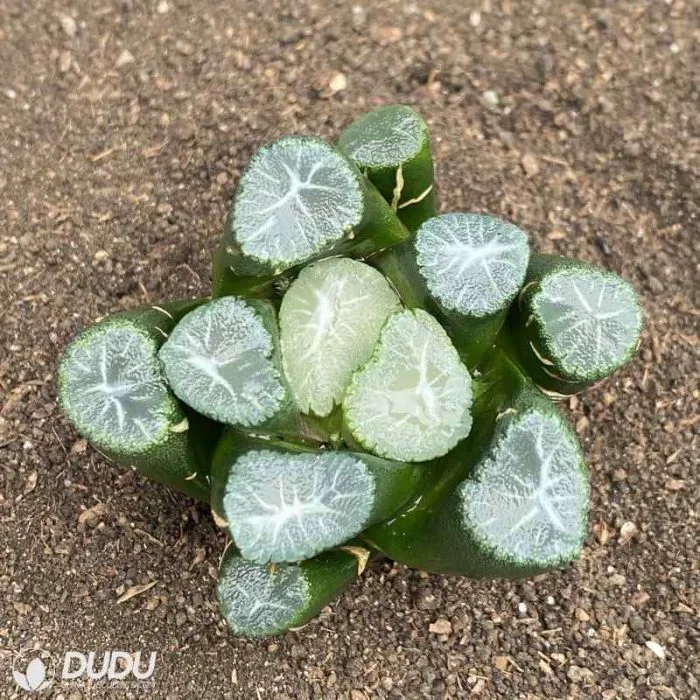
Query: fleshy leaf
[[384, 137], [412, 400], [330, 321], [289, 507], [590, 321], [112, 388], [260, 600], [528, 498], [472, 263], [297, 196], [218, 360]]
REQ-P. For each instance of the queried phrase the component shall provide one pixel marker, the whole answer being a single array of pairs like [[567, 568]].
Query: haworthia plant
[[391, 146], [368, 377], [111, 386], [299, 199]]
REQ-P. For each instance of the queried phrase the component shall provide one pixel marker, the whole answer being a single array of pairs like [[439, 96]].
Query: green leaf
[[299, 199], [330, 320], [219, 360], [261, 600], [465, 269], [285, 502], [391, 145], [527, 501], [112, 388], [575, 324], [289, 507], [412, 400], [509, 501], [473, 264], [296, 197]]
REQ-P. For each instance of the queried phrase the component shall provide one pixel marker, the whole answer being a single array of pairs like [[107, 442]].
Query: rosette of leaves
[[369, 376]]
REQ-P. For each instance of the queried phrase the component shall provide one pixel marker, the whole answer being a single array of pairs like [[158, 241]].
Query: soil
[[124, 126]]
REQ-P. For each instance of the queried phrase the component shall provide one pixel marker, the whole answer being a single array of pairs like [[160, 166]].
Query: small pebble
[[358, 15], [125, 58], [627, 531], [529, 165], [338, 82], [427, 600], [440, 626], [64, 62], [490, 99], [390, 35], [582, 615], [500, 663], [68, 25], [619, 475], [656, 649]]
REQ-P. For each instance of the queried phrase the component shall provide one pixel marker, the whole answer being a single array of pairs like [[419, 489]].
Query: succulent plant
[[368, 377]]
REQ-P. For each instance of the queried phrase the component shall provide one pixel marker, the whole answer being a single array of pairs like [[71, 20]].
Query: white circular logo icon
[[33, 670]]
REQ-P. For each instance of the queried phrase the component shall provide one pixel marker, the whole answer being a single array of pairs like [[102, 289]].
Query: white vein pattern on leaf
[[412, 400], [298, 196], [258, 599], [218, 360], [289, 507], [590, 318], [472, 263], [529, 496], [114, 389], [385, 139], [330, 321]]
